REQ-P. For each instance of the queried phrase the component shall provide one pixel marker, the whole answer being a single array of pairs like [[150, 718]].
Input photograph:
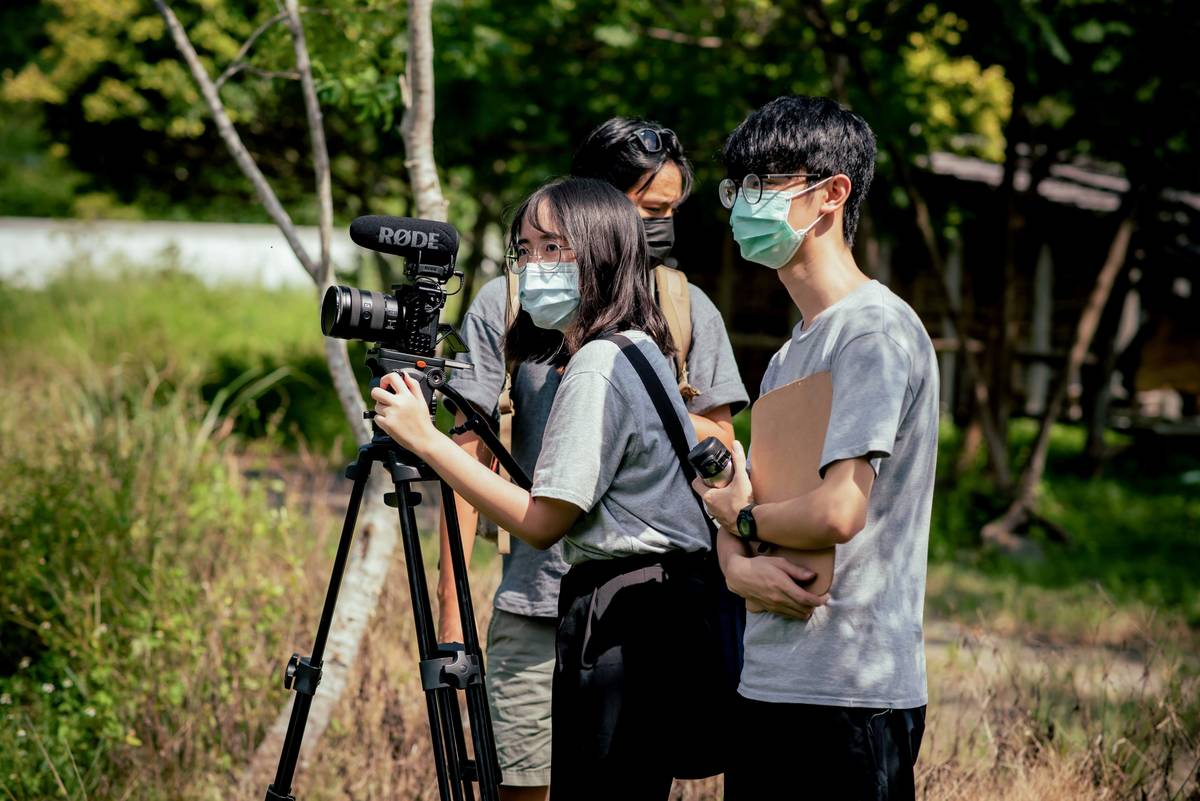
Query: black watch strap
[[747, 526]]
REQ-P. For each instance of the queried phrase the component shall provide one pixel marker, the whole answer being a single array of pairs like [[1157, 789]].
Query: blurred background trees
[[1080, 106]]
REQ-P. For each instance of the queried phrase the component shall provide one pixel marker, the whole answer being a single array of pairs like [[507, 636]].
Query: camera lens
[[349, 313]]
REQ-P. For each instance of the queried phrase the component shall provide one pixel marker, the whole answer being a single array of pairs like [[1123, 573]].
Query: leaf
[[1050, 37], [1091, 32], [615, 35]]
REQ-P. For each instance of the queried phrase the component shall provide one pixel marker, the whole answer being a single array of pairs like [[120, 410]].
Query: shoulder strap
[[504, 403], [511, 308], [670, 420], [676, 304]]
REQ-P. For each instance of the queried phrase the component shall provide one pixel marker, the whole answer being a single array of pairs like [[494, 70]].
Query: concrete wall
[[33, 250]]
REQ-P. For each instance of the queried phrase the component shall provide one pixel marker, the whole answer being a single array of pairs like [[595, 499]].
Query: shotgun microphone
[[426, 242]]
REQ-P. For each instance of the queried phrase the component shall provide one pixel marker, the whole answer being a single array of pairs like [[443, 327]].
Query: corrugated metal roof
[[1069, 184]]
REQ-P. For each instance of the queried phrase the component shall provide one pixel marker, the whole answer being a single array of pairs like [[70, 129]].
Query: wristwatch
[[747, 529]]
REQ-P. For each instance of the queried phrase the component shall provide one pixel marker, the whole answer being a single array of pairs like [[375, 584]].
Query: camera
[[408, 319], [405, 325]]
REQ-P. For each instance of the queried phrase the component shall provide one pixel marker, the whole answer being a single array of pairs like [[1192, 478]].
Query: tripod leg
[[303, 675], [447, 762], [486, 762]]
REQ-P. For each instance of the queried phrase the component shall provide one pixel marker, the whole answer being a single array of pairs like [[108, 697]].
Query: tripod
[[445, 668]]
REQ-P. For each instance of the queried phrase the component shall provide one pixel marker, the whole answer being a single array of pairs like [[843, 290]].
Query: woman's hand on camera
[[404, 414], [773, 583], [725, 503]]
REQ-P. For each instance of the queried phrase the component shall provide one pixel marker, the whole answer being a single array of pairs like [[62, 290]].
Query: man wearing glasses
[[833, 688]]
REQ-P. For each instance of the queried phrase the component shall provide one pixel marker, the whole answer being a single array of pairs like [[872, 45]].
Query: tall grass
[[151, 587]]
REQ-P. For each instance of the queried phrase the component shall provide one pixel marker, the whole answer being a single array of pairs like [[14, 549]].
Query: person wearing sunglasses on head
[[833, 687], [609, 490], [646, 163]]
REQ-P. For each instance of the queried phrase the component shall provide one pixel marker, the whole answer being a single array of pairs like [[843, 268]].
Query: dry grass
[[1009, 718]]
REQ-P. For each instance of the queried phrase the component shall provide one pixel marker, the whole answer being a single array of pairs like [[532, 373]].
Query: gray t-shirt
[[606, 450], [529, 585], [865, 647]]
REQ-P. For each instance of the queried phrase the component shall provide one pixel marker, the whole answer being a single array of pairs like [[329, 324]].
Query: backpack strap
[[676, 304], [504, 404], [670, 420]]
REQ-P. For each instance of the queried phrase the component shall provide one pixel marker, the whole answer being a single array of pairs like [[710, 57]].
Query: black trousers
[[802, 751], [618, 687]]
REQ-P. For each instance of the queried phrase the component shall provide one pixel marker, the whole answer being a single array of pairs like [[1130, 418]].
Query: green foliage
[[504, 124], [35, 177], [1132, 530], [193, 335]]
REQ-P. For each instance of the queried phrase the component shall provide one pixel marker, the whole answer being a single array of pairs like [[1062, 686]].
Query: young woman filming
[[608, 482]]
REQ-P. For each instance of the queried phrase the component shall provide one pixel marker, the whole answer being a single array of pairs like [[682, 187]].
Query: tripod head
[[428, 371]]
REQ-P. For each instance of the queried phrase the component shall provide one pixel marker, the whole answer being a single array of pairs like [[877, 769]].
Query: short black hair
[[806, 134], [606, 233], [612, 152]]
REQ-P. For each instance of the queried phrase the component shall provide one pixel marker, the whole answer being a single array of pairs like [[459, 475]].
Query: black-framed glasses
[[753, 185], [656, 140], [549, 256]]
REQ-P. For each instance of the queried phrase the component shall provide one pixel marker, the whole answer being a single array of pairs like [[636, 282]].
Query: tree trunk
[[1002, 531], [1001, 350], [320, 272], [1099, 395], [417, 125], [378, 529], [997, 447], [316, 130]]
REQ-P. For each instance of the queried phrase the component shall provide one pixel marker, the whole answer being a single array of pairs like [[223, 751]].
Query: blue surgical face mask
[[550, 293], [762, 230]]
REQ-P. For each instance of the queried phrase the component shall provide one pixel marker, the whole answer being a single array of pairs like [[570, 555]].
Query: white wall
[[32, 250]]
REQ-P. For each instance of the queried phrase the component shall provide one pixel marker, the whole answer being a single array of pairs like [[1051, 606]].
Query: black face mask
[[660, 236]]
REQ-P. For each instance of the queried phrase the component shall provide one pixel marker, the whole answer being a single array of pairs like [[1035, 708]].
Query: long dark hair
[[613, 153], [605, 232]]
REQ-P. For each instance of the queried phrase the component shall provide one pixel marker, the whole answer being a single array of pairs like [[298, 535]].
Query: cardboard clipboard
[[787, 433]]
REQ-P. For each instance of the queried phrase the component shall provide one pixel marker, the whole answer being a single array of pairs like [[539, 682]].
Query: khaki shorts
[[520, 672]]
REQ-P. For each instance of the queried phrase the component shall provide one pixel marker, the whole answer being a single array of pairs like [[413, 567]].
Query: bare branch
[[288, 75], [239, 60], [233, 141], [677, 37], [316, 130]]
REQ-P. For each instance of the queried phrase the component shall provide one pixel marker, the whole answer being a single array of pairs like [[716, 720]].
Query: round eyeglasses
[[549, 256], [753, 185], [655, 140]]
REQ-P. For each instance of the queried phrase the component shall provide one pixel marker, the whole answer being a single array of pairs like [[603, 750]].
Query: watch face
[[743, 524]]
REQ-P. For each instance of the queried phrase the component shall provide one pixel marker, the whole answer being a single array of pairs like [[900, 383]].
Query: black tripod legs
[[445, 669], [448, 668], [303, 674]]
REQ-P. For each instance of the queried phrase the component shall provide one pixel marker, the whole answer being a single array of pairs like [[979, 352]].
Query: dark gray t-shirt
[[529, 585], [866, 646]]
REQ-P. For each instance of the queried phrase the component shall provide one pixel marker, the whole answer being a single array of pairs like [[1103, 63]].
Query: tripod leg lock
[[459, 670], [301, 675], [274, 796]]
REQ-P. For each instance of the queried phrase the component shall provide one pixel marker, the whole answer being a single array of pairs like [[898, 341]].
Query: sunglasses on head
[[656, 140]]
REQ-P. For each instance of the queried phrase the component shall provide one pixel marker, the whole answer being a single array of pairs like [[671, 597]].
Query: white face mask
[[550, 293]]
